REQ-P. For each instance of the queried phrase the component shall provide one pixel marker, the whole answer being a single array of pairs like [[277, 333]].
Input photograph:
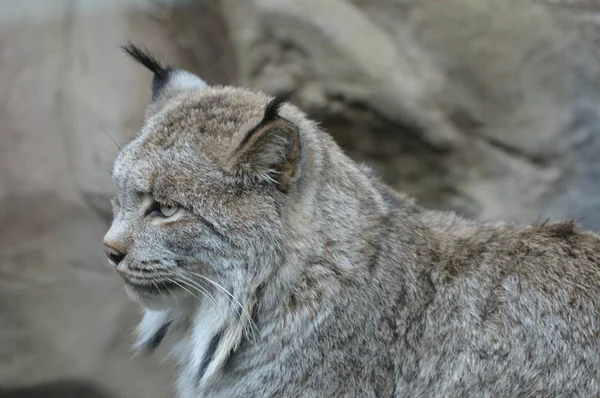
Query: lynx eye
[[168, 210], [163, 210]]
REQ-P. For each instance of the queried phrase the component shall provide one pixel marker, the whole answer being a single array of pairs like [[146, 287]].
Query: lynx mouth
[[153, 294], [149, 286]]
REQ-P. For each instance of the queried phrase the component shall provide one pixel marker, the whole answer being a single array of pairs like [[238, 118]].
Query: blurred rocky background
[[486, 107]]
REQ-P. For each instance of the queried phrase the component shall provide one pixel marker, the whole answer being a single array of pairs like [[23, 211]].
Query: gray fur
[[336, 285]]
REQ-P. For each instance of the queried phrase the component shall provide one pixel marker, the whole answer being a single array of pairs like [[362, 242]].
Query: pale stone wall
[[486, 107], [493, 120]]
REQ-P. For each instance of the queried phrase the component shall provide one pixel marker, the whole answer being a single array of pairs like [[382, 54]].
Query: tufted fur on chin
[[205, 336], [275, 266]]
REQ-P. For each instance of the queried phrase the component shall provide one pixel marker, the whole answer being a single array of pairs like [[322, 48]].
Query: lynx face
[[200, 191]]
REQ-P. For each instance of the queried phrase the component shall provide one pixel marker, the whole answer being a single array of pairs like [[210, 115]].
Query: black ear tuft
[[161, 73], [271, 114], [272, 109], [144, 58]]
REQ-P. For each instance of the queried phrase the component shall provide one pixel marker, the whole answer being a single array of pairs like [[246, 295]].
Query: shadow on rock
[[58, 389]]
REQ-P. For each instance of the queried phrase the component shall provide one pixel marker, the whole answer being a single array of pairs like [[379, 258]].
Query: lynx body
[[278, 267]]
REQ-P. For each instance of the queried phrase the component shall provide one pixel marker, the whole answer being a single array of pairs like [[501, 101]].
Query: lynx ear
[[167, 80], [271, 150]]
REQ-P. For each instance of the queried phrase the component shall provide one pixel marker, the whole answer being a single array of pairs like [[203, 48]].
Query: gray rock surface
[[62, 389], [485, 107]]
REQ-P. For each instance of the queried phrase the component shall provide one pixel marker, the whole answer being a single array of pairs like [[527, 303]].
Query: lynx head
[[204, 190]]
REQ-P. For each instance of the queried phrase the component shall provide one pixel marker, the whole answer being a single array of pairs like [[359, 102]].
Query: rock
[[499, 95], [485, 107], [60, 389]]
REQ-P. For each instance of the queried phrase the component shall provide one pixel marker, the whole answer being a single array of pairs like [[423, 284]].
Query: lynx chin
[[275, 266]]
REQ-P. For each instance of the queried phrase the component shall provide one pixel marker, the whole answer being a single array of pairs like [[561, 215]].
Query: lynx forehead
[[276, 266]]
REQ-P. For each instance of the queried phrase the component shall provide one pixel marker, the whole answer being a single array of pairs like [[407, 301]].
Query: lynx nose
[[113, 254]]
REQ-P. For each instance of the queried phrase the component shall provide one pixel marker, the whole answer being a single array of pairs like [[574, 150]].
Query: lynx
[[275, 266]]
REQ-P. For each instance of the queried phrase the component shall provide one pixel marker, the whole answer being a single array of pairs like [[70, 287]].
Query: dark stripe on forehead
[[137, 172]]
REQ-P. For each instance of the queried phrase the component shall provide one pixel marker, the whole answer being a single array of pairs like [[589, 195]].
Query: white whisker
[[195, 285], [174, 296], [159, 291], [221, 288], [172, 281], [233, 300]]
